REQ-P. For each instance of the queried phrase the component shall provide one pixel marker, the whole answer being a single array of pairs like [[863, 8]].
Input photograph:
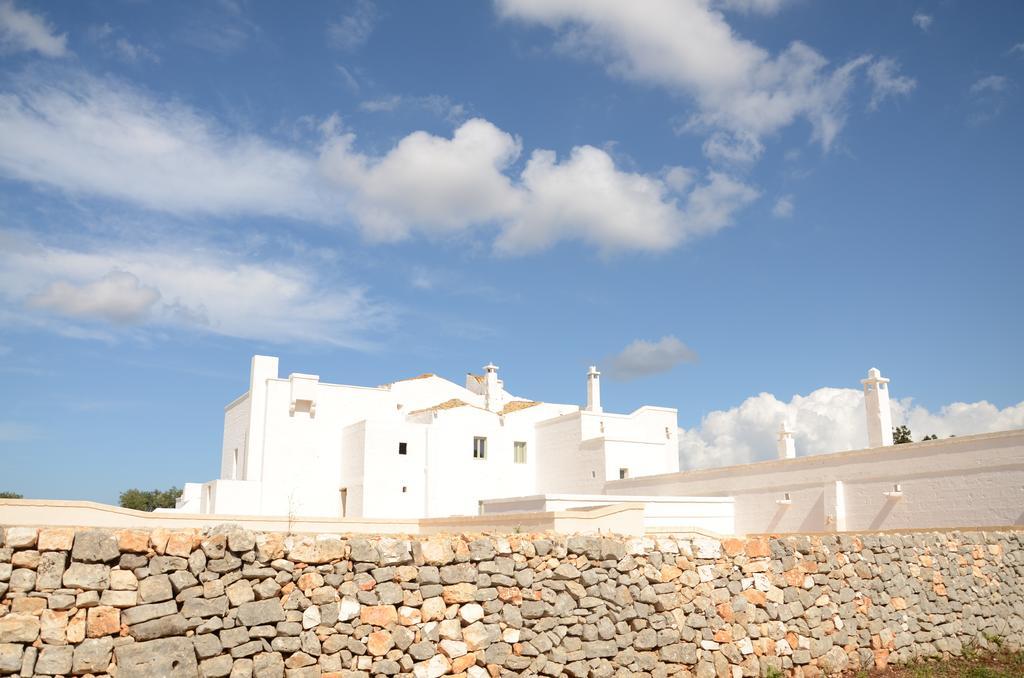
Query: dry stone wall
[[229, 602]]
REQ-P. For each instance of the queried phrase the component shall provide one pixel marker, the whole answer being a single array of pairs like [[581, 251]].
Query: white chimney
[[593, 390], [493, 398], [786, 445], [876, 405]]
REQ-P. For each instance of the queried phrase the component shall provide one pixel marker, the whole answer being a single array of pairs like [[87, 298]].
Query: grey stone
[[95, 546], [203, 607], [207, 645], [600, 648], [92, 655], [268, 665], [22, 579], [422, 650], [458, 574], [165, 564], [143, 613], [230, 638], [163, 627], [247, 649], [155, 589], [50, 571], [54, 660], [261, 612], [164, 658], [216, 667], [362, 551]]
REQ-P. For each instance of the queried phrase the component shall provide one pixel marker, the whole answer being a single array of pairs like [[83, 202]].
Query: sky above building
[[732, 207]]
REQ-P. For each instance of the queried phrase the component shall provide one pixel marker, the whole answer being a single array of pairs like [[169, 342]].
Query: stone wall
[[226, 601]]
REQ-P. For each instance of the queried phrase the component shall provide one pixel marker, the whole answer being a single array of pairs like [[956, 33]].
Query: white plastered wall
[[969, 481]]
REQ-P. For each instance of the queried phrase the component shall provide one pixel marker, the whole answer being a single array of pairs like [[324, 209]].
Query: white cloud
[[388, 103], [738, 149], [826, 420], [988, 96], [1019, 47], [783, 208], [23, 31], [426, 182], [990, 83], [181, 286], [922, 21], [886, 82], [752, 6], [437, 104], [106, 37], [118, 296], [103, 138], [352, 30], [645, 358], [687, 46]]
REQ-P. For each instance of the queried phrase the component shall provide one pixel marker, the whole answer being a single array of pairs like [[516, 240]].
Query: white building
[[420, 447]]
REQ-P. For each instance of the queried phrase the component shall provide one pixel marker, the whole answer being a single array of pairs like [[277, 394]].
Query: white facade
[[421, 447], [967, 481]]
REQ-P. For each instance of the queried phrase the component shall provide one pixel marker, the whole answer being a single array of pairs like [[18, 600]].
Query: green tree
[[141, 500], [10, 495], [901, 434], [931, 437]]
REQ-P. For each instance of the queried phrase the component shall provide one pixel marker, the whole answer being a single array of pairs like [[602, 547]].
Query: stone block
[[166, 657], [95, 546], [261, 612], [19, 628], [56, 539], [88, 577], [92, 656], [54, 660], [102, 621], [22, 537]]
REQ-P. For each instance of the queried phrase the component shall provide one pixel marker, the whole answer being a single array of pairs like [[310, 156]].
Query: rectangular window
[[403, 448], [519, 452], [479, 447], [623, 473]]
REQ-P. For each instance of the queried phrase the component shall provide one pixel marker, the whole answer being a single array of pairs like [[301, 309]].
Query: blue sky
[[710, 200]]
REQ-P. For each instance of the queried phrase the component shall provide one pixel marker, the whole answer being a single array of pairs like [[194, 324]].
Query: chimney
[[876, 406], [786, 445], [593, 390], [493, 399]]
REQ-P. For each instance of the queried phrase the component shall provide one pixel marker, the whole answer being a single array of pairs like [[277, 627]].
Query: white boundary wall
[[969, 481], [713, 514]]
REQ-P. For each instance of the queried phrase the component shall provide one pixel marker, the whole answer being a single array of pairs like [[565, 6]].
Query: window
[[403, 449], [623, 473], [479, 447], [519, 452]]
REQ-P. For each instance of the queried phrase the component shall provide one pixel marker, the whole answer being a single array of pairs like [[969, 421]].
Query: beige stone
[[133, 541], [28, 605], [22, 537], [19, 628], [103, 620], [459, 593], [379, 615], [179, 543], [433, 609], [56, 539], [76, 627], [379, 642], [53, 627], [123, 580], [409, 616], [158, 539]]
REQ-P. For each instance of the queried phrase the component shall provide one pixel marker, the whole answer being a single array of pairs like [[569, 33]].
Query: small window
[[519, 452], [403, 449], [479, 447], [404, 489], [623, 473]]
